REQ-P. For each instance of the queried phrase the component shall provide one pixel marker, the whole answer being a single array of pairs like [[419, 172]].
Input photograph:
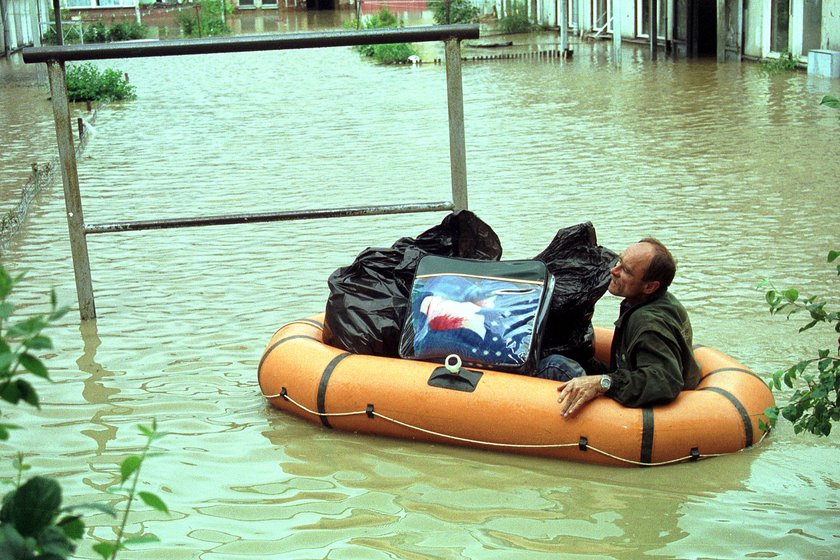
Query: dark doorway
[[320, 4], [701, 28]]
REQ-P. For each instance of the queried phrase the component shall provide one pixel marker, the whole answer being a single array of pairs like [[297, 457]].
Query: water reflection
[[735, 169]]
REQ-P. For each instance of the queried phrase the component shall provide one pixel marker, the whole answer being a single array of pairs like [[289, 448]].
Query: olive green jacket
[[652, 358]]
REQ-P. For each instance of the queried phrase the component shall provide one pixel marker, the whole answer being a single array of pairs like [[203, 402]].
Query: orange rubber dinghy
[[423, 401]]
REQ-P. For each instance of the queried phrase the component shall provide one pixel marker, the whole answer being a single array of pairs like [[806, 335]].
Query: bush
[[86, 83], [33, 523], [815, 404], [516, 21], [454, 11], [785, 63], [384, 54], [97, 32], [206, 12]]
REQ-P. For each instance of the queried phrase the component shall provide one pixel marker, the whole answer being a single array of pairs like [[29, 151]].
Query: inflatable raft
[[415, 400]]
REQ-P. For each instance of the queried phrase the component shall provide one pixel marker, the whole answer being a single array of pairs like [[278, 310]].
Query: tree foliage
[[815, 404], [454, 11]]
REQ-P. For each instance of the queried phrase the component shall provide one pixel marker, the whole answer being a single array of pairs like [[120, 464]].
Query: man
[[652, 359]]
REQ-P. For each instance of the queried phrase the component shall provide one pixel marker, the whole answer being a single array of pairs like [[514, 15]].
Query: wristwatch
[[606, 383]]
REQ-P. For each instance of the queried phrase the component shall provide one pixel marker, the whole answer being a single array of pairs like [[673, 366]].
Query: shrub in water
[[384, 54], [516, 21], [454, 11], [86, 83]]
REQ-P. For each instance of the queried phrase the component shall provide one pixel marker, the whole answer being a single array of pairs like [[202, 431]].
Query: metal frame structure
[[56, 56]]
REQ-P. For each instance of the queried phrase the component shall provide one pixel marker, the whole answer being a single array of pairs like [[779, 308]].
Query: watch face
[[606, 382]]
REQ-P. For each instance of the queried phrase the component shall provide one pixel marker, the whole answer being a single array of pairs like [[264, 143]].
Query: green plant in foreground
[[86, 83], [18, 341], [33, 523], [130, 471], [814, 407]]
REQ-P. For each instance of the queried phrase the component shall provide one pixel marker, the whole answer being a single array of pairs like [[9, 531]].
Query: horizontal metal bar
[[269, 217], [245, 43]]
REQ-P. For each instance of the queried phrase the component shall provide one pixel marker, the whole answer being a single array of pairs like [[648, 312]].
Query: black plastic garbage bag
[[369, 298], [581, 270]]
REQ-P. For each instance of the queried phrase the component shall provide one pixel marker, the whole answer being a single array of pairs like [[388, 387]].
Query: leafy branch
[[130, 469], [33, 524], [815, 404]]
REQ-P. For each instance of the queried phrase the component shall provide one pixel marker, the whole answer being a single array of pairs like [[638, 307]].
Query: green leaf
[[27, 393], [53, 540], [12, 543], [34, 365], [73, 526], [106, 549], [9, 392], [39, 342], [4, 430], [6, 283], [791, 295], [6, 310], [830, 101], [96, 506], [808, 326], [34, 505], [832, 255], [145, 538], [7, 358], [27, 327], [129, 466], [153, 501]]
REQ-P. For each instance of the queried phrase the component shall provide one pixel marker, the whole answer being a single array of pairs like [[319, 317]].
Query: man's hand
[[577, 392]]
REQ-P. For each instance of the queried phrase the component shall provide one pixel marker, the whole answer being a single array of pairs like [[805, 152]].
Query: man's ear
[[651, 287]]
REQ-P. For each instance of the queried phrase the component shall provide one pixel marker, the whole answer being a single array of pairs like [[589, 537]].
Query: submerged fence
[[42, 177], [55, 58]]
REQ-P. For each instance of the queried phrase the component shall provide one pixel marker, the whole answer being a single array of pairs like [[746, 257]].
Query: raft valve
[[453, 363]]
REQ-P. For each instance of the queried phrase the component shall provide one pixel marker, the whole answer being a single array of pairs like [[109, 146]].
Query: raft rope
[[372, 413]]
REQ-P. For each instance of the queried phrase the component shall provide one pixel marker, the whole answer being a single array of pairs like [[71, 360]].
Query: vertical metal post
[[72, 196], [616, 11], [457, 144]]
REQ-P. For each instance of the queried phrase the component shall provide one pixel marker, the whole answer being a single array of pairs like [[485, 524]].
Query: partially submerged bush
[[85, 82], [98, 32], [454, 11], [384, 54], [516, 21], [203, 19]]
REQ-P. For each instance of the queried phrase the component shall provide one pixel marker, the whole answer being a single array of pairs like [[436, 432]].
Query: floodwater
[[736, 170]]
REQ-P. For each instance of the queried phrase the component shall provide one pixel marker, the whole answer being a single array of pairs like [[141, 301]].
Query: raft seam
[[742, 370], [745, 416], [647, 436], [322, 387], [275, 345]]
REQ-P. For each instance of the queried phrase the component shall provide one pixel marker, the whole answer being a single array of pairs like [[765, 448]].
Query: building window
[[643, 8], [811, 26], [779, 25], [602, 15]]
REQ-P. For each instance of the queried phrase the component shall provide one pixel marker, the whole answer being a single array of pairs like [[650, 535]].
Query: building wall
[[21, 25]]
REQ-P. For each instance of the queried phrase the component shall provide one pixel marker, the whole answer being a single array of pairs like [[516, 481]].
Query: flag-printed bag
[[489, 313]]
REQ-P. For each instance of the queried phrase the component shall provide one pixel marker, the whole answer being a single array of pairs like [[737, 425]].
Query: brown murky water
[[736, 170]]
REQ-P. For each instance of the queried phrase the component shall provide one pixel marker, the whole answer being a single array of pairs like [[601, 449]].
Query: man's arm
[[650, 374]]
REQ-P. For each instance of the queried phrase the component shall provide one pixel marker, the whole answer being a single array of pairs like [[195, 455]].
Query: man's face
[[627, 274]]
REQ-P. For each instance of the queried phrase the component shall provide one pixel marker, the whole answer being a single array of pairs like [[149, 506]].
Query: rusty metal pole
[[721, 30], [457, 144], [72, 196]]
